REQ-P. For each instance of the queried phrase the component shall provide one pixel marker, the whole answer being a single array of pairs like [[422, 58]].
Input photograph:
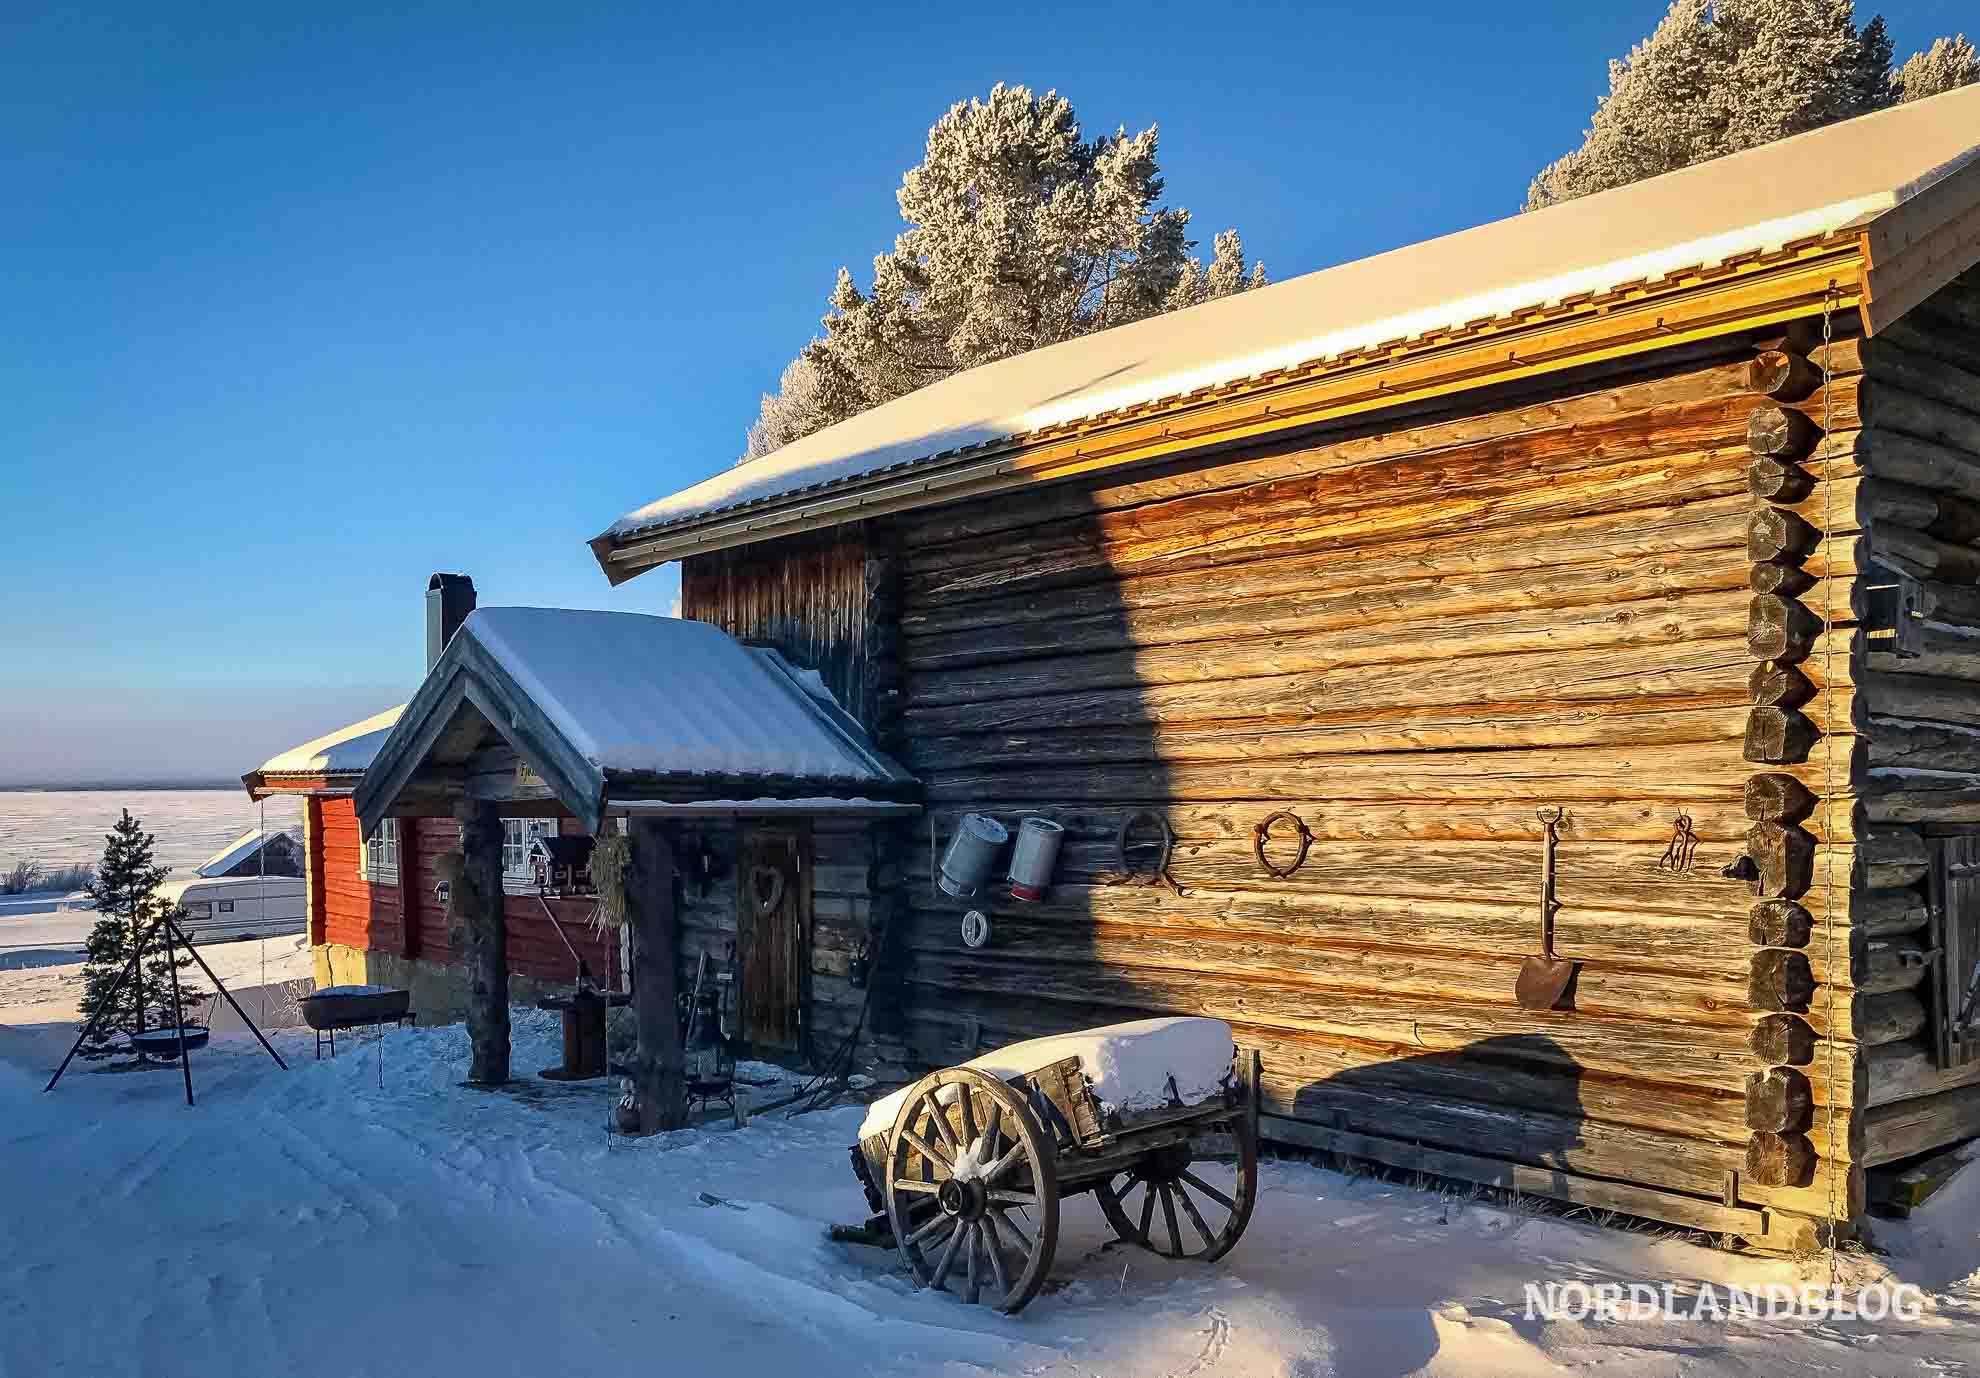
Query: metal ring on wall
[[1260, 831]]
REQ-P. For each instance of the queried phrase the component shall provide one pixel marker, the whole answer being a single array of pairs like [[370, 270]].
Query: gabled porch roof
[[601, 709]]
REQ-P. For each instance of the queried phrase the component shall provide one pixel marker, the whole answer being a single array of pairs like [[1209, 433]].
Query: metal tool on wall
[[1543, 980]]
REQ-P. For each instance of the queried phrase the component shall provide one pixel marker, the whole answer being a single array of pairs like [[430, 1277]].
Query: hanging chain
[[1827, 479]]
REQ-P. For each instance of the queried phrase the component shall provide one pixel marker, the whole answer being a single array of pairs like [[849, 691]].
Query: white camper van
[[227, 897]]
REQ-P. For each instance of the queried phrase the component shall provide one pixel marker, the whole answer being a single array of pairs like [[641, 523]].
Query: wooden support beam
[[1778, 1101], [1781, 433], [1779, 979], [1785, 856], [476, 904], [658, 1073], [1780, 628], [1778, 798], [1784, 375], [1779, 923], [1783, 1040], [1779, 736], [1774, 533], [1780, 1160]]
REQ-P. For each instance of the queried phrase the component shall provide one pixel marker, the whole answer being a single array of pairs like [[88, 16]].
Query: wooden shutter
[[1955, 899]]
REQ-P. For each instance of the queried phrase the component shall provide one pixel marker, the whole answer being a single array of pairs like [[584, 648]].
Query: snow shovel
[[1543, 980]]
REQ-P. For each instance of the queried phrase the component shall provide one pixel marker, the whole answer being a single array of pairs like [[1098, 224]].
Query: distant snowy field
[[371, 1216], [57, 827]]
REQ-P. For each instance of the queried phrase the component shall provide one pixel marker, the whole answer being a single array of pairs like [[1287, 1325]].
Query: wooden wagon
[[965, 1169]]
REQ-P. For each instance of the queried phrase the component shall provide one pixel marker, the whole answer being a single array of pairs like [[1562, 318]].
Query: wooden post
[[658, 1079], [486, 941]]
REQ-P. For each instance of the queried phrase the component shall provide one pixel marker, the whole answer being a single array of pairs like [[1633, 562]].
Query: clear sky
[[300, 304]]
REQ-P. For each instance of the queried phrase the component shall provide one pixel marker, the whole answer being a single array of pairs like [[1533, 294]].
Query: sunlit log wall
[[1607, 596]]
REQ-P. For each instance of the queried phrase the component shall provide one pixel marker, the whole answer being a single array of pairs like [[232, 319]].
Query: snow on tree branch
[[1718, 76], [1020, 233]]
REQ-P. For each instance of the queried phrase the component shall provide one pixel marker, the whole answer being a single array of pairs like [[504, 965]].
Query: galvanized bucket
[[971, 853], [1032, 860]]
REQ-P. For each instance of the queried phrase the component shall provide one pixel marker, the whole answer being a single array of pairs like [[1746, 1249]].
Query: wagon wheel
[[973, 1189], [1212, 1186]]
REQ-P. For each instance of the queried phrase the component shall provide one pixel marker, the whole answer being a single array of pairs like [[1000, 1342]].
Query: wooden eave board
[[1640, 318], [1915, 249]]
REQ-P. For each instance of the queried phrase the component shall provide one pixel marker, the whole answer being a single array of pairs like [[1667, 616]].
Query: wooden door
[[774, 916], [1955, 896]]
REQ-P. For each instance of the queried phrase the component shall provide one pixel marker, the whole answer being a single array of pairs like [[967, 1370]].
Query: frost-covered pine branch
[[1945, 66], [1718, 76], [1020, 233]]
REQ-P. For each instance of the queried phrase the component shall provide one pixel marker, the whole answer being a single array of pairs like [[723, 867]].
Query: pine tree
[[128, 909], [1718, 76], [1946, 65], [1020, 233]]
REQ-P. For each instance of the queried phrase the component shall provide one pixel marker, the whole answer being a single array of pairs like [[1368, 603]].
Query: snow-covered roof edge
[[1829, 180], [340, 753]]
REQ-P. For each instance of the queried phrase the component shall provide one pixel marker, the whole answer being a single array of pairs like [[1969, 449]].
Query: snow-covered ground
[[372, 1216]]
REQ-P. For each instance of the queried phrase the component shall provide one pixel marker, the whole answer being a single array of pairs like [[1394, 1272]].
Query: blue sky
[[296, 308]]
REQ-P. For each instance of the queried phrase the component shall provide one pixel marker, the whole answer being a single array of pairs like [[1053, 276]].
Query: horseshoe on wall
[[766, 901]]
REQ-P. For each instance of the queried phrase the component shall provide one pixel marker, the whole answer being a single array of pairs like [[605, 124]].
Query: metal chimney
[[449, 599]]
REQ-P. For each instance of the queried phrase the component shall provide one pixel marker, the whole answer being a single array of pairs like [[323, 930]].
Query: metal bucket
[[971, 851], [1032, 860]]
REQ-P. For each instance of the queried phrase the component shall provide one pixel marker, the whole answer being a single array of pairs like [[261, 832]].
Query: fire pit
[[350, 1007]]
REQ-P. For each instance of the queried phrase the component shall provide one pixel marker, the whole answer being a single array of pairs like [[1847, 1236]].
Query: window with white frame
[[518, 873], [380, 863]]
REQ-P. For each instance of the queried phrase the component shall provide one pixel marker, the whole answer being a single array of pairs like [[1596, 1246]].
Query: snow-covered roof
[[602, 705], [638, 694], [237, 851], [347, 751], [1753, 202]]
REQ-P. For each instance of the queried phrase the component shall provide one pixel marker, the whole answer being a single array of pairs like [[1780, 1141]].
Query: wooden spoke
[[941, 1118], [949, 1255], [995, 1260], [1172, 1177], [995, 1241], [929, 1227], [1011, 1158], [928, 1150], [1208, 1190], [1195, 1216], [1022, 1239], [1169, 1214]]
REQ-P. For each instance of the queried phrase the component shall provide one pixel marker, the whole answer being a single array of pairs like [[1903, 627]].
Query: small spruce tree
[[128, 910]]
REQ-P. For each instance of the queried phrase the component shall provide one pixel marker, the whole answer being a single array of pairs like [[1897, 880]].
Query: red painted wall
[[372, 917]]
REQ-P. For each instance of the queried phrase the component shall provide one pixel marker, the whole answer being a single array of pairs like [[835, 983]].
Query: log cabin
[[1600, 584], [1658, 511]]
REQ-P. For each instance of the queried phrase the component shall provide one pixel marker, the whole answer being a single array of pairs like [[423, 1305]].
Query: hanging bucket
[[971, 851], [1032, 860]]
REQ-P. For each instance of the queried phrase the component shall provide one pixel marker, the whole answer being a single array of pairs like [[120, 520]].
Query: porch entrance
[[773, 915]]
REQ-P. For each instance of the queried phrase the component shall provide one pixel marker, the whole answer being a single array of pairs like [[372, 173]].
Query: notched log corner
[[1783, 1040], [1779, 979]]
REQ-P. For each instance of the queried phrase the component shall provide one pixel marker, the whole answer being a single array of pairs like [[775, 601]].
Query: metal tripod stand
[[172, 937]]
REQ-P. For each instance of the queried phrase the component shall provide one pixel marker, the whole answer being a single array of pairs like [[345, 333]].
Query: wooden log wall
[[1412, 638], [372, 917], [847, 881], [1891, 487], [815, 599]]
